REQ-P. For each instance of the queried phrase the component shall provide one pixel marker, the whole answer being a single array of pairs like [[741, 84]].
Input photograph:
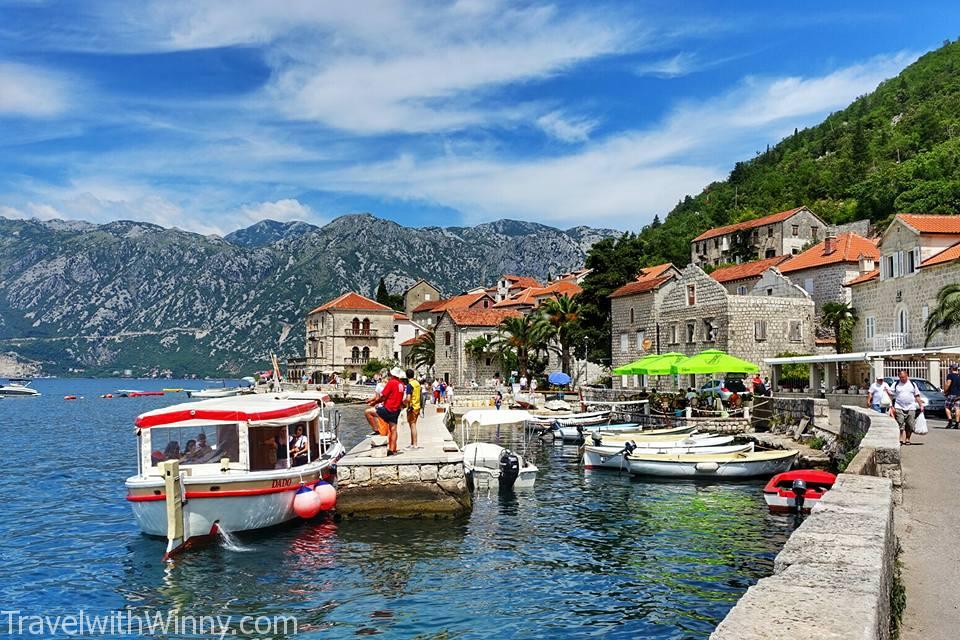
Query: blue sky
[[210, 116]]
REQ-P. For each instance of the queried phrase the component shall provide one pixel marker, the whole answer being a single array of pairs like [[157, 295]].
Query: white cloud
[[31, 210], [566, 129], [285, 210], [31, 91], [675, 66]]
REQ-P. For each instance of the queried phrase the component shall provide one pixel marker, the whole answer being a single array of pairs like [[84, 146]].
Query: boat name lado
[[228, 463]]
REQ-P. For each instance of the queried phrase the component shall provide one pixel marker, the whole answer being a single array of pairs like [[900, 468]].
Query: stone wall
[[825, 284], [451, 361], [416, 295], [774, 284], [791, 411], [878, 438], [402, 490]]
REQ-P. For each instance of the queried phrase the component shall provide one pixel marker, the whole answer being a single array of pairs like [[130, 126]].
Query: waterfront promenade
[[928, 524]]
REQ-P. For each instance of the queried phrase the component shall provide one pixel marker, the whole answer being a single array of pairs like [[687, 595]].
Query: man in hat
[[389, 411], [952, 390], [876, 394]]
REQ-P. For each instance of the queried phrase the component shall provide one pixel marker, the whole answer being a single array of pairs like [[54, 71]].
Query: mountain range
[[77, 297]]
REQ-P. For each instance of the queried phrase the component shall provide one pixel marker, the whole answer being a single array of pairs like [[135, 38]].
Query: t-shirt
[[877, 392], [413, 390], [954, 389], [392, 395], [905, 395]]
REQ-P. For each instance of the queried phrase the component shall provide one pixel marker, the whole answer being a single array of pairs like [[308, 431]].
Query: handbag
[[920, 425]]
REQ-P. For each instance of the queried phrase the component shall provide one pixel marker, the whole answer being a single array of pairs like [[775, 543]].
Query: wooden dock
[[426, 482]]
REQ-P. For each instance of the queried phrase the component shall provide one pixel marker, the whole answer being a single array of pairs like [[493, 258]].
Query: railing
[[356, 360], [360, 333], [313, 334], [891, 342]]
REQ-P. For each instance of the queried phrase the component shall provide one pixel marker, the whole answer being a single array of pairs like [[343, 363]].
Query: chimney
[[866, 264], [830, 243]]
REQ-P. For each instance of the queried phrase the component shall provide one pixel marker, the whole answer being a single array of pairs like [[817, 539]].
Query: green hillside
[[894, 150]]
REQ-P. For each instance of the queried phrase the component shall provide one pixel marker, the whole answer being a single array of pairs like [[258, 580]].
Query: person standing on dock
[[952, 391], [393, 392], [413, 402]]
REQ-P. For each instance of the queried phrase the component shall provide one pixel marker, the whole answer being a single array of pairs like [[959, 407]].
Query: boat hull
[[213, 393], [577, 432], [695, 466], [18, 393], [612, 457]]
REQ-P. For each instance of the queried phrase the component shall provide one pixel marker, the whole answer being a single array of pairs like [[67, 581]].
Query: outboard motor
[[799, 489], [597, 438], [509, 468], [629, 447]]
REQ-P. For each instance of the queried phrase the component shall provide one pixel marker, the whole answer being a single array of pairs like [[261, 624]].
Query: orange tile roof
[[748, 224], [949, 254], [746, 270], [654, 272], [848, 248], [638, 286], [560, 288], [351, 301], [934, 224], [525, 298], [867, 277], [464, 301], [400, 316], [412, 341], [480, 317], [521, 281], [428, 305]]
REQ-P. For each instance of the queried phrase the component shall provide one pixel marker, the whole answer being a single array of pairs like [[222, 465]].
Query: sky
[[211, 116]]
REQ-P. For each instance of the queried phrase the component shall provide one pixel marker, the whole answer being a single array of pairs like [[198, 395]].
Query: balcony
[[360, 333], [313, 334], [356, 361], [891, 342]]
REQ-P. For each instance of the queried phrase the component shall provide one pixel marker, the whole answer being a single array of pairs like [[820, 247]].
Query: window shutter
[[916, 258], [883, 267]]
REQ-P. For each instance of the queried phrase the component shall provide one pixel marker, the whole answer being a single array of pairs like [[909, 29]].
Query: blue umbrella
[[558, 378]]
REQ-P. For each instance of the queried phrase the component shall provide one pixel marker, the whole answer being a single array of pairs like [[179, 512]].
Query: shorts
[[905, 419], [412, 414], [952, 402], [390, 417]]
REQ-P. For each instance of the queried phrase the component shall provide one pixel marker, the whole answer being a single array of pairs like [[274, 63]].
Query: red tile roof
[[949, 254], [748, 224], [429, 305], [933, 224], [654, 272], [521, 281], [412, 341], [400, 316], [867, 277], [746, 270], [351, 301], [559, 288], [480, 317], [848, 248], [531, 296], [639, 286], [525, 298], [465, 301]]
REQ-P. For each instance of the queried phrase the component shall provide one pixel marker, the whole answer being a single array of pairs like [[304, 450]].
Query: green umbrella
[[714, 361], [661, 365], [634, 367]]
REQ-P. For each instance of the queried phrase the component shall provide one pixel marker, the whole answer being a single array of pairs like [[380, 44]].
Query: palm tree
[[424, 352], [837, 314], [524, 336], [563, 315], [946, 314]]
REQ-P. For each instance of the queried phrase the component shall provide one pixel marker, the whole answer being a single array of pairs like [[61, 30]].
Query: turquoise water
[[581, 555]]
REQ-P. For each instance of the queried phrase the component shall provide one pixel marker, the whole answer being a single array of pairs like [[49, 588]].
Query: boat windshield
[[195, 445]]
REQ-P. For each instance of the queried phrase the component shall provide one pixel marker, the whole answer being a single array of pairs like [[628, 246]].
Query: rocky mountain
[[131, 295]]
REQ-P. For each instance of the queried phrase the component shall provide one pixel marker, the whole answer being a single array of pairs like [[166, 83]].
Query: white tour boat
[[729, 465], [18, 387], [225, 464]]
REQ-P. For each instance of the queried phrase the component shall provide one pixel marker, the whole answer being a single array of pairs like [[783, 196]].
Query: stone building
[[345, 333], [739, 279], [532, 297], [634, 320], [423, 314], [778, 234], [404, 329], [419, 292], [454, 329], [823, 269], [919, 254], [508, 285]]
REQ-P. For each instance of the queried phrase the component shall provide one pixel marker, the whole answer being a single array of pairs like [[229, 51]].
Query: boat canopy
[[488, 417], [259, 410]]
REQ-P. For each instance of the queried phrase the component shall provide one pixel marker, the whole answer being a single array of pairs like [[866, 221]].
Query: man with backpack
[[905, 398], [952, 391]]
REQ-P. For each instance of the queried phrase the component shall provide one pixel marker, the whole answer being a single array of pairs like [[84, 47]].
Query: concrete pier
[[426, 482]]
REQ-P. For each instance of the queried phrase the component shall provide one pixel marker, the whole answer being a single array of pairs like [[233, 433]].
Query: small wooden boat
[[571, 419], [601, 437], [70, 397], [614, 457], [216, 392], [730, 465], [797, 491]]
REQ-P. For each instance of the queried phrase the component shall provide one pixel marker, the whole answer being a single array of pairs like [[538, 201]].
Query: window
[[871, 327], [195, 445], [355, 325], [759, 330], [710, 330], [640, 346], [691, 295], [691, 332], [446, 338], [636, 381], [396, 328], [795, 230], [796, 331], [911, 261], [771, 253], [321, 349], [808, 285], [624, 342], [794, 251], [426, 296], [814, 233], [488, 361], [486, 303], [631, 315], [903, 320], [742, 290], [366, 327], [623, 381], [674, 334], [769, 291], [769, 232], [716, 243], [355, 355], [365, 354]]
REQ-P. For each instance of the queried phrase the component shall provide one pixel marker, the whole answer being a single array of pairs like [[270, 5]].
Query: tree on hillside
[[839, 315], [525, 337], [946, 314], [392, 300], [562, 313]]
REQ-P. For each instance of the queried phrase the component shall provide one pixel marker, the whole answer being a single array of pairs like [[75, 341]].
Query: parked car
[[723, 388], [936, 401]]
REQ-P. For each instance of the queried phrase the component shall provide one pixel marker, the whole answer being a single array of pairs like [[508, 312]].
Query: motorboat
[[224, 464], [216, 392], [488, 465], [612, 456], [571, 419], [135, 393], [18, 387], [797, 491], [575, 433], [617, 439], [698, 465]]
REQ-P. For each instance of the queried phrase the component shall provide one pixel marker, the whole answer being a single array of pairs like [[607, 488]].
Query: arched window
[[366, 326], [355, 325], [365, 354], [446, 338], [903, 320], [355, 354]]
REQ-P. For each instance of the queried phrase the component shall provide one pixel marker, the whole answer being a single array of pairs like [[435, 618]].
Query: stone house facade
[[454, 329], [919, 255], [403, 330], [783, 233], [346, 333], [823, 269], [740, 279], [419, 292]]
